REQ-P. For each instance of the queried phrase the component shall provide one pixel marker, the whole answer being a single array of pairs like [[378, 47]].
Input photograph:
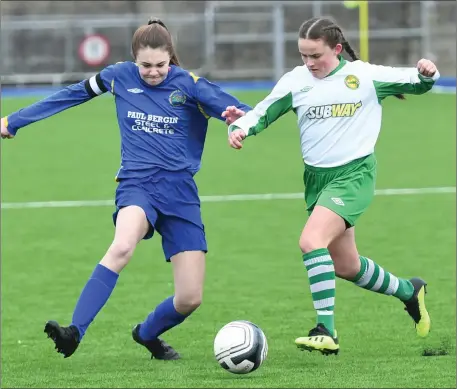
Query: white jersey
[[339, 116]]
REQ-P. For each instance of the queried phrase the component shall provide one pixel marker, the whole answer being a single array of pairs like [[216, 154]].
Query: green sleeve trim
[[273, 112], [386, 89]]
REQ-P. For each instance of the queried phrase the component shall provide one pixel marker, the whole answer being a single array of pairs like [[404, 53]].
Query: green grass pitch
[[254, 266]]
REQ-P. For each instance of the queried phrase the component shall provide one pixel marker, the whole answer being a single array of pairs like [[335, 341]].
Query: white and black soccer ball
[[240, 347]]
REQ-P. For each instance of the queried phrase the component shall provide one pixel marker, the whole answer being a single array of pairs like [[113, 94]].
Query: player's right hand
[[236, 138], [4, 130], [231, 114], [426, 67]]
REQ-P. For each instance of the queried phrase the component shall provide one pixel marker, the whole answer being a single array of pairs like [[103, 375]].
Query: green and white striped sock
[[373, 277], [321, 274]]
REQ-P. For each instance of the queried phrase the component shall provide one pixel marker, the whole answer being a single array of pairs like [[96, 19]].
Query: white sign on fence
[[94, 49]]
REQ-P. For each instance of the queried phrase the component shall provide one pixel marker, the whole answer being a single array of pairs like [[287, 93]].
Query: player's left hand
[[426, 67], [4, 131], [231, 114], [236, 138]]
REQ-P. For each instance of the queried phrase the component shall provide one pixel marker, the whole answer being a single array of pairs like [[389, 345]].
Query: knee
[[121, 251], [309, 243], [188, 302]]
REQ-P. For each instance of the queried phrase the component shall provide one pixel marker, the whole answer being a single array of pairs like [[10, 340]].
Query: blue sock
[[164, 317], [93, 297]]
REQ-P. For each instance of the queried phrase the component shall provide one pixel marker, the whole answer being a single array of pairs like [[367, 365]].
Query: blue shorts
[[172, 206]]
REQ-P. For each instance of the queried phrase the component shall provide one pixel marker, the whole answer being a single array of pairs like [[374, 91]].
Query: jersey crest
[[352, 82], [176, 98]]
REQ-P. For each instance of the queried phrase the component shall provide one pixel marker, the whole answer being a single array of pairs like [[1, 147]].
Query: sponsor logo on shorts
[[337, 201]]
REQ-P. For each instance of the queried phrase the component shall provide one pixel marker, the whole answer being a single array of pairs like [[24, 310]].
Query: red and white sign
[[94, 49]]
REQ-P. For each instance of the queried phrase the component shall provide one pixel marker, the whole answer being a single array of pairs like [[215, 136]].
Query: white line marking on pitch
[[222, 198]]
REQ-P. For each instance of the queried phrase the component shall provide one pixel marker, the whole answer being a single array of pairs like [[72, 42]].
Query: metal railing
[[229, 40]]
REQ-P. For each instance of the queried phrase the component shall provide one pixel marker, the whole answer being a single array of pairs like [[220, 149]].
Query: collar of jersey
[[340, 65]]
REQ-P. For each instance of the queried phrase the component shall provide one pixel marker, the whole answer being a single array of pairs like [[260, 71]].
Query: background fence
[[223, 40]]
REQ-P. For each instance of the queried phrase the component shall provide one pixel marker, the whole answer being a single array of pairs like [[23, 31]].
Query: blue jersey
[[162, 127]]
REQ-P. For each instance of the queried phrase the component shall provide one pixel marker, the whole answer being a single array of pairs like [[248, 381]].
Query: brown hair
[[331, 33], [154, 35]]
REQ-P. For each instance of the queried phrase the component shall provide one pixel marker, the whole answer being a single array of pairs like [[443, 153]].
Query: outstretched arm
[[67, 97], [275, 105], [215, 100], [390, 81]]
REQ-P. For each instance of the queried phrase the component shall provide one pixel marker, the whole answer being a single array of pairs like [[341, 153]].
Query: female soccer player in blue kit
[[163, 113]]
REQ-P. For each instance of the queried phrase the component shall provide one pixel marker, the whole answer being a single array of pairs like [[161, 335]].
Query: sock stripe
[[363, 269], [373, 277], [365, 279], [320, 269], [324, 313], [385, 283], [324, 303], [310, 267], [315, 253], [321, 259], [322, 277], [323, 294], [322, 286], [379, 281], [393, 285]]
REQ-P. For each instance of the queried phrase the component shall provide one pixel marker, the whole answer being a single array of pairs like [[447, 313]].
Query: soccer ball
[[240, 347]]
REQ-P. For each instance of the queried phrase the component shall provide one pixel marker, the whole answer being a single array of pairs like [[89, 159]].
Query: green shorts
[[347, 190]]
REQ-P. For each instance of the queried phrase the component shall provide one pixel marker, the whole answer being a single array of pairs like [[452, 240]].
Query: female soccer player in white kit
[[339, 112]]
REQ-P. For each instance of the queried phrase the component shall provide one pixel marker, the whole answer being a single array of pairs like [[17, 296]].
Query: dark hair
[[154, 35], [330, 32]]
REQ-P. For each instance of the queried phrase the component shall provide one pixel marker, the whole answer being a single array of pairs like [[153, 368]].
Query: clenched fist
[[426, 67]]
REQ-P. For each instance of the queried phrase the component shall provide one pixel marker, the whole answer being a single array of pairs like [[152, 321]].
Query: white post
[[426, 9], [317, 9], [278, 40], [210, 49]]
